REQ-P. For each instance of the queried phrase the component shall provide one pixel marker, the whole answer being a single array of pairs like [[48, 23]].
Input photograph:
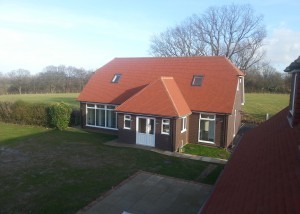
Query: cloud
[[283, 46]]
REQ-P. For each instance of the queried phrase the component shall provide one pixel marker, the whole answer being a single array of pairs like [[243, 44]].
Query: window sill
[[203, 141], [101, 127]]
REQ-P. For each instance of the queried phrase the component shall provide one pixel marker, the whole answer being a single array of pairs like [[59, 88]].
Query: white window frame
[[207, 119], [292, 110], [127, 118], [106, 109], [183, 126], [165, 122]]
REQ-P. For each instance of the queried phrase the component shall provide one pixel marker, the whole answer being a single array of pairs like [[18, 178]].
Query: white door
[[145, 131]]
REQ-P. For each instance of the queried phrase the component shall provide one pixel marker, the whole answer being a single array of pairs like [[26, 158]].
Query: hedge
[[21, 112]]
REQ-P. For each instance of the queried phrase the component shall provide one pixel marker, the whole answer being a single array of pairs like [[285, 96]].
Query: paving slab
[[151, 193]]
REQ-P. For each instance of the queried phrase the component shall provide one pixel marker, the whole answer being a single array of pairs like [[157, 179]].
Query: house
[[263, 173], [165, 102]]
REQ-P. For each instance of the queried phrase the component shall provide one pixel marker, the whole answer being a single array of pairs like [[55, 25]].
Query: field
[[48, 171], [258, 105], [69, 98]]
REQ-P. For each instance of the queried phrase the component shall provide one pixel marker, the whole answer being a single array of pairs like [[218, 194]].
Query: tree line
[[53, 79], [267, 79]]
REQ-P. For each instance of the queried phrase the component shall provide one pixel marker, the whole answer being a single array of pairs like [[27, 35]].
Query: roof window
[[116, 78], [197, 80]]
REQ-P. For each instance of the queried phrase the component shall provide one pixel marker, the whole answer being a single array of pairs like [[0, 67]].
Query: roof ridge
[[169, 95]]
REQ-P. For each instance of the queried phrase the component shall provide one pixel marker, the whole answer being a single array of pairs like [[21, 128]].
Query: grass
[[49, 171], [69, 98], [196, 149], [258, 105]]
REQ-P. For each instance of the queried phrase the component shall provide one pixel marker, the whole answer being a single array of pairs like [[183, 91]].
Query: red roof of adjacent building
[[160, 97], [263, 174], [216, 94]]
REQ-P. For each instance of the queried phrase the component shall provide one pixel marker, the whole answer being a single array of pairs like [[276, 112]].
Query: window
[[183, 127], [165, 126], [102, 116], [292, 109], [197, 80], [116, 78], [207, 128], [127, 121]]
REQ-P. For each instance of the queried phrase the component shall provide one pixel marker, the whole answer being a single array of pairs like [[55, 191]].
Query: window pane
[[102, 117], [91, 105], [127, 121], [166, 121], [208, 116], [116, 78], [98, 117], [100, 106], [151, 126], [111, 107], [111, 119], [142, 125], [90, 117], [207, 130], [127, 124], [166, 128], [197, 81]]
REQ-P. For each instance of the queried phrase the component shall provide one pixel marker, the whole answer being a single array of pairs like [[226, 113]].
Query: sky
[[90, 33]]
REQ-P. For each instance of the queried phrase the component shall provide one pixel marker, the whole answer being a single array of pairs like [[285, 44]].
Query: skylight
[[197, 80], [116, 78]]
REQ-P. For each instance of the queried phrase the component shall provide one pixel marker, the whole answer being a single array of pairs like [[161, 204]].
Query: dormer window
[[116, 78], [197, 80]]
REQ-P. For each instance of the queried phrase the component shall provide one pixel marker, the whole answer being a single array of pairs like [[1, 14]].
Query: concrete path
[[175, 154], [151, 193]]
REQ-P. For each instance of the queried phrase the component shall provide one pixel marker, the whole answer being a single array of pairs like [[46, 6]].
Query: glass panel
[[151, 126], [111, 119], [111, 107], [197, 81], [102, 118], [116, 78], [91, 105], [166, 121], [207, 130], [98, 117], [166, 128], [207, 116], [142, 125], [100, 106], [127, 124], [90, 117]]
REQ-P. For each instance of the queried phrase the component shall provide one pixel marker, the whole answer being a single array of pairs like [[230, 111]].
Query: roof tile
[[216, 94], [262, 175], [161, 97]]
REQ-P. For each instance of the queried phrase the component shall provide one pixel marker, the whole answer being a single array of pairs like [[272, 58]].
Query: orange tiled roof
[[216, 94], [263, 173], [161, 97]]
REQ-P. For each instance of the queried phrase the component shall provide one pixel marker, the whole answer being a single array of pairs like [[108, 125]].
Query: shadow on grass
[[49, 171]]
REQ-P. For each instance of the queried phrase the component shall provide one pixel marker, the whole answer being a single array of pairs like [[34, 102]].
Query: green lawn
[[69, 98], [260, 104], [48, 171], [196, 149]]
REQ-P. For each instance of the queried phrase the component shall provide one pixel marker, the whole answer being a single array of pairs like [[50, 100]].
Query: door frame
[[148, 138]]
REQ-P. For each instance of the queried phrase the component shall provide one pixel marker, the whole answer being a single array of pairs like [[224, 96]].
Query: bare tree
[[19, 79], [234, 31]]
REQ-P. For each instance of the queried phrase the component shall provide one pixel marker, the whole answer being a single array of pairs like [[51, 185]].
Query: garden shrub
[[60, 114], [5, 112]]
